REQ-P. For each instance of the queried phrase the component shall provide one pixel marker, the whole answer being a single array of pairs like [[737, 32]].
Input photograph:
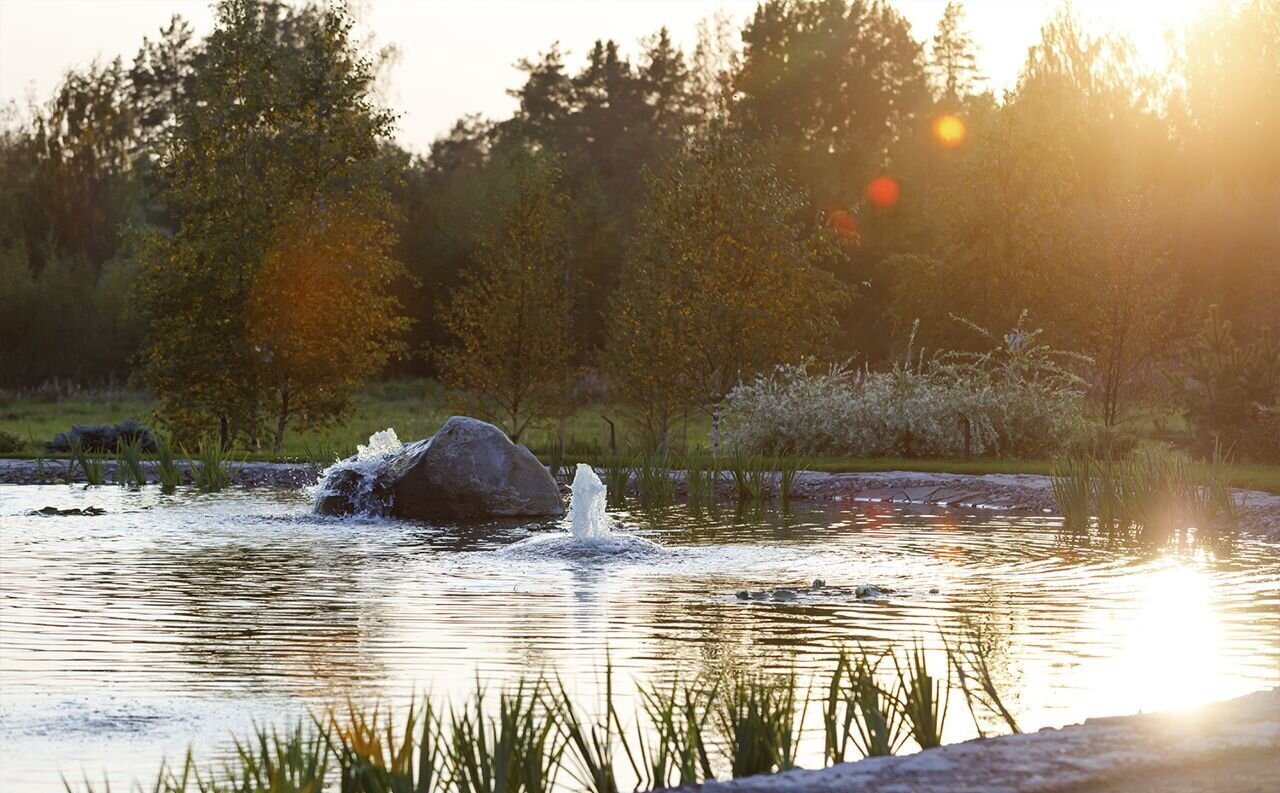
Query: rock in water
[[470, 469]]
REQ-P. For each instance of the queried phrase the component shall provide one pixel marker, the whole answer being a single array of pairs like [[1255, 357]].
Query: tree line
[[227, 221]]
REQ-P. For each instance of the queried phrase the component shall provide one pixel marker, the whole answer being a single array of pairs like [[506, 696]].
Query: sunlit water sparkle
[[174, 620]]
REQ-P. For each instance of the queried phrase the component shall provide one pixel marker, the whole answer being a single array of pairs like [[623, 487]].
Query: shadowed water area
[[177, 620]]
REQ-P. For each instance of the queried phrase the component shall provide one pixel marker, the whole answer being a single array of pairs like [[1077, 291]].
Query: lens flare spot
[[843, 224], [949, 130], [883, 191]]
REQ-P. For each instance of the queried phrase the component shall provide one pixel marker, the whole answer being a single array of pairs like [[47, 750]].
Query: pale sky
[[458, 56]]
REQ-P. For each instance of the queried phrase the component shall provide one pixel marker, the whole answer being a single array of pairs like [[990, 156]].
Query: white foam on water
[[590, 532], [366, 466]]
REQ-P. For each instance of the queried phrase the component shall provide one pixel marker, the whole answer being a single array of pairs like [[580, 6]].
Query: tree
[[321, 315], [510, 319], [952, 58], [1131, 314], [722, 282], [836, 81], [277, 133]]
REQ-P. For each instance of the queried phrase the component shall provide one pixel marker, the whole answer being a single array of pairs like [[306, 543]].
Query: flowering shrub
[[1017, 400]]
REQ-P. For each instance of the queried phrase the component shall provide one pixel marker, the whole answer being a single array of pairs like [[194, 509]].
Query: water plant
[[749, 474], [129, 470], [788, 468], [968, 658], [653, 480], [214, 472], [679, 714], [701, 479], [617, 478], [878, 716], [752, 720], [167, 468], [373, 759], [757, 717], [592, 743], [1071, 478], [91, 464], [516, 751], [922, 698]]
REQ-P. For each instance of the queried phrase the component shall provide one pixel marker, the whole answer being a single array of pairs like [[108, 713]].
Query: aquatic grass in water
[[91, 464], [969, 661], [679, 715], [592, 743], [167, 468], [129, 470], [617, 478], [757, 718], [517, 751], [748, 476], [922, 698], [653, 480], [788, 469], [537, 732], [373, 759], [214, 472], [1072, 486]]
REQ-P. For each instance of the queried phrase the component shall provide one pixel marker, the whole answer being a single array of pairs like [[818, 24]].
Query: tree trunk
[[224, 431], [281, 422]]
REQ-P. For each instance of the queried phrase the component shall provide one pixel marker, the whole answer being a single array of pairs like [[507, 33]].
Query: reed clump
[[1149, 497], [212, 470], [685, 732]]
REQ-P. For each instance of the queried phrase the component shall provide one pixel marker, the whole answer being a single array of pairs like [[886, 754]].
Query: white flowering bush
[[1018, 400]]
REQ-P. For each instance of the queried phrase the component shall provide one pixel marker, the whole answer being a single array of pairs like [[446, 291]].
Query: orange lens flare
[[883, 192], [843, 224], [949, 130]]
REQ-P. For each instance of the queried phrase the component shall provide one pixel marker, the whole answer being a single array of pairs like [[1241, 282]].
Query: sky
[[458, 56]]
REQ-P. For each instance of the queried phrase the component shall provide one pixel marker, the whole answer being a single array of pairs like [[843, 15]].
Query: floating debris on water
[[54, 511]]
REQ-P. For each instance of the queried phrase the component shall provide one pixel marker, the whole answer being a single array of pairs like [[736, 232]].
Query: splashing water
[[381, 446], [357, 478], [587, 518], [591, 534]]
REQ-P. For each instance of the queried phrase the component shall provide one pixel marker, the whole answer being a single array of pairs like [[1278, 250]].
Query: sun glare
[[949, 130]]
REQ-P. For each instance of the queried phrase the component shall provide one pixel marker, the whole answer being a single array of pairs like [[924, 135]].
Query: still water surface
[[179, 620]]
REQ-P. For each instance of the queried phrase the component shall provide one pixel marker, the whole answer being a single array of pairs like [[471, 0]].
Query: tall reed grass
[[1149, 497], [129, 470], [739, 721], [215, 471]]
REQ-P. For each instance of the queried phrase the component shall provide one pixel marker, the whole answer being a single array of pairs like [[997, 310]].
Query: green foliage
[[654, 484], [759, 720], [512, 347], [752, 722], [277, 205], [721, 282], [167, 468], [129, 470], [922, 698], [1227, 391], [518, 751], [1149, 496], [10, 443], [211, 470], [90, 463]]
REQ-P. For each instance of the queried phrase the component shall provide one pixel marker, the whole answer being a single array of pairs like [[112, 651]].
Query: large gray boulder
[[470, 469], [467, 470]]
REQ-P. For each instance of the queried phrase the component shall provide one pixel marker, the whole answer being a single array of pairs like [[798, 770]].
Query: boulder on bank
[[468, 470]]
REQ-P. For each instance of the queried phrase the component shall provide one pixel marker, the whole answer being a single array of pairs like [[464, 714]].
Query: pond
[[170, 621]]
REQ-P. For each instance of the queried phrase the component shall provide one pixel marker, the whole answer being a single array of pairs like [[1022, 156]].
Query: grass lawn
[[417, 408]]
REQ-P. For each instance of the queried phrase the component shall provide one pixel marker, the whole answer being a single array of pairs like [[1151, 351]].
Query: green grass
[[417, 408]]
